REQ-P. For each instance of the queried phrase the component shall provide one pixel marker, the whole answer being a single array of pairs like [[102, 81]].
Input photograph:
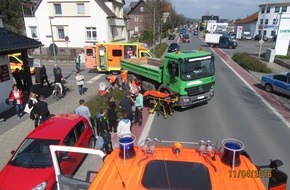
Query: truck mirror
[[278, 180]]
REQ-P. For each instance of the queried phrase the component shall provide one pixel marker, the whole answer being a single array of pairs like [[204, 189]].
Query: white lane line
[[285, 121], [146, 129], [95, 78]]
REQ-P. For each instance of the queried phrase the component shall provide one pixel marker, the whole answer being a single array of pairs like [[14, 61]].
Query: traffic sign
[[66, 38]]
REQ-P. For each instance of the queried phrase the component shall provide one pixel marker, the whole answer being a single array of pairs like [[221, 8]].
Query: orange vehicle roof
[[164, 169]]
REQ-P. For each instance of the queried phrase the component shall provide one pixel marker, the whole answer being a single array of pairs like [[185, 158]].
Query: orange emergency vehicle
[[107, 56]]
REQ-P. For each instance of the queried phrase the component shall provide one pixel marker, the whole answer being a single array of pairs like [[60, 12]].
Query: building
[[74, 24], [137, 14], [269, 17], [11, 42], [247, 24]]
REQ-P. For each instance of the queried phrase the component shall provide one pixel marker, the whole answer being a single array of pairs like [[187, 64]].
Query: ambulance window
[[117, 53], [144, 54], [89, 52]]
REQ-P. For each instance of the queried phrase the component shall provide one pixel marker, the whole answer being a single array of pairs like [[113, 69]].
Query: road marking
[[95, 78], [285, 121], [146, 129]]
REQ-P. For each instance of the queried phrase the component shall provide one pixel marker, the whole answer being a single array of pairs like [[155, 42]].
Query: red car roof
[[57, 127]]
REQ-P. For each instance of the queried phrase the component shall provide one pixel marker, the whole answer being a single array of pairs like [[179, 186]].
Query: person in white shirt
[[123, 128], [80, 82]]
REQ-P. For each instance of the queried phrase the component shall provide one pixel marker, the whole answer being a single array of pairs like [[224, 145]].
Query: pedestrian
[[31, 103], [84, 110], [126, 105], [112, 115], [138, 110], [124, 125], [24, 78], [57, 80], [78, 61], [17, 98], [43, 76], [80, 82], [101, 121], [18, 78], [41, 110]]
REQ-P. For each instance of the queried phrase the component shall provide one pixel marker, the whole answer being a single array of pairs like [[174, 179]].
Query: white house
[[269, 17], [72, 24]]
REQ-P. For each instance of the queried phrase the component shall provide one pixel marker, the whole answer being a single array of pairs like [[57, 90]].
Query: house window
[[262, 9], [265, 32], [141, 9], [268, 9], [273, 33], [81, 8], [284, 9], [57, 9], [136, 29], [91, 33], [266, 21], [136, 19], [261, 21], [277, 9], [60, 32], [275, 21], [33, 32]]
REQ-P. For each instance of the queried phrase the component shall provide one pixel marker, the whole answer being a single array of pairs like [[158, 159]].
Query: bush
[[251, 63], [282, 57], [99, 102], [160, 49]]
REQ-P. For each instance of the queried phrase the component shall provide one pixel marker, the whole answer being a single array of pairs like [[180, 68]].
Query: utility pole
[[154, 28]]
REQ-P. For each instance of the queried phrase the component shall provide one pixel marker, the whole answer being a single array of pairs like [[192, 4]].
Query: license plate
[[200, 97]]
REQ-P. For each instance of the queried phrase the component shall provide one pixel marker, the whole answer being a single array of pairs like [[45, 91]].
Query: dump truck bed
[[150, 68]]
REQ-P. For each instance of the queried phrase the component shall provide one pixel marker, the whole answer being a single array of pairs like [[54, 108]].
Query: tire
[[164, 89], [269, 88], [92, 142], [230, 47]]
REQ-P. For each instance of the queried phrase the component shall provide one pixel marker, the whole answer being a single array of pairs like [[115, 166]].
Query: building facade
[[269, 18], [74, 24]]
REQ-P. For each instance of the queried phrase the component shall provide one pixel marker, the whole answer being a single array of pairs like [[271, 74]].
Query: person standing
[[16, 96], [112, 115], [83, 110], [80, 82], [126, 105], [18, 78], [23, 78], [124, 125], [78, 61], [57, 79], [139, 108], [31, 103], [43, 76], [41, 110], [102, 124]]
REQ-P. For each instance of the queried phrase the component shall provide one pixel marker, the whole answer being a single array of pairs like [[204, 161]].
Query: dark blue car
[[277, 83]]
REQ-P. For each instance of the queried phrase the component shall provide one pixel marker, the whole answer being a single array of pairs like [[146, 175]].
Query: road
[[235, 112]]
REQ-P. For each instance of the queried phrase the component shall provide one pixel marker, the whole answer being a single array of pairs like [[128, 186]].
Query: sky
[[225, 9]]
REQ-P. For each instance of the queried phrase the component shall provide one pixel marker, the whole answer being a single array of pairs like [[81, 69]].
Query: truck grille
[[193, 91]]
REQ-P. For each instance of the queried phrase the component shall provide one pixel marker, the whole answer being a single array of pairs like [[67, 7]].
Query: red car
[[30, 166], [186, 39]]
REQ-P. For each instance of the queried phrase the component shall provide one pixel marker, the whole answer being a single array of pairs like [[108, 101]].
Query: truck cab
[[226, 42]]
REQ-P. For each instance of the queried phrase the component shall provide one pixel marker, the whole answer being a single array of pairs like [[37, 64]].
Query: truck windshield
[[195, 68]]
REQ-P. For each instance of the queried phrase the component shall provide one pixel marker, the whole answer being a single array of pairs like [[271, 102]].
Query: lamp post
[[52, 38]]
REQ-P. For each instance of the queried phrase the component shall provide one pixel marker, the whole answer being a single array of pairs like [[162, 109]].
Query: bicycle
[[57, 92]]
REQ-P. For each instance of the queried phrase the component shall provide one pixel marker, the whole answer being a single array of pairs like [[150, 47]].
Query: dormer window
[[141, 9]]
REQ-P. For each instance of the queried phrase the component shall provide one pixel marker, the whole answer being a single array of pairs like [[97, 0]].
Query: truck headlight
[[186, 100]]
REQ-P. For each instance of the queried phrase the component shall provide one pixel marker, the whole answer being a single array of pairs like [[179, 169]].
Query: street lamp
[[52, 38]]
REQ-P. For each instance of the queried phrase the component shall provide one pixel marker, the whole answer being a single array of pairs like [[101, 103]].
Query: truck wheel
[[164, 89], [211, 45], [230, 47]]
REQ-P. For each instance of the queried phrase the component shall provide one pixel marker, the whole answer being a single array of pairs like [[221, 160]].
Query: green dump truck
[[189, 74]]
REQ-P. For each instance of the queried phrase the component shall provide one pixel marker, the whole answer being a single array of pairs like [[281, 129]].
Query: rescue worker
[[113, 80]]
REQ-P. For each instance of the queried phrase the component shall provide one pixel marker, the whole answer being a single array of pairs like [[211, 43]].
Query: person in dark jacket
[[102, 124], [126, 105], [112, 115], [43, 77], [41, 110], [31, 103]]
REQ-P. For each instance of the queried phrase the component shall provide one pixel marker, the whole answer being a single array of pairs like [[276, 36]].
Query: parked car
[[232, 35], [259, 37], [195, 33], [170, 37], [16, 62], [173, 47], [30, 166], [186, 39], [277, 83]]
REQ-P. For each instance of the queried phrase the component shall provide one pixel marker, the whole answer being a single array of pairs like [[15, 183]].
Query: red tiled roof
[[248, 19]]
